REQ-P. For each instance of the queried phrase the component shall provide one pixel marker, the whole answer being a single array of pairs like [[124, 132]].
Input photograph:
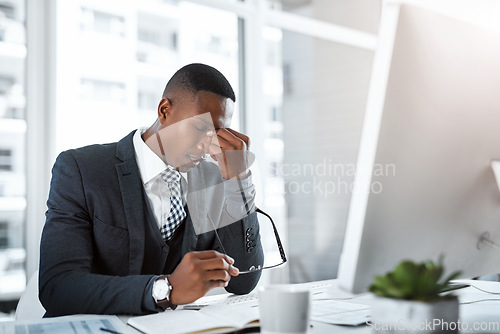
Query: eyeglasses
[[278, 241]]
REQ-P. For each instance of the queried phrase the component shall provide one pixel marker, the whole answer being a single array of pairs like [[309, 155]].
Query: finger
[[226, 138], [216, 275], [208, 254], [229, 136], [243, 137], [214, 149], [214, 146], [229, 259], [225, 145], [216, 284], [215, 264], [233, 271]]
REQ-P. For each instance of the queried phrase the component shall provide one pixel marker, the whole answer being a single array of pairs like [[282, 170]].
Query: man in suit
[[146, 224]]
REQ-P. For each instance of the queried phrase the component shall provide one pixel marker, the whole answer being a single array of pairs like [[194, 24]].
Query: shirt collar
[[150, 165]]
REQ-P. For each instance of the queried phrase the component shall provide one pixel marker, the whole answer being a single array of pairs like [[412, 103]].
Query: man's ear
[[164, 108]]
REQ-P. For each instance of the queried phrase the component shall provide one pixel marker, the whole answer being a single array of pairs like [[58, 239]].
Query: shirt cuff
[[148, 302], [233, 186]]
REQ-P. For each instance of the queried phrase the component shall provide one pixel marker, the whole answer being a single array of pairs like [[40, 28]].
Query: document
[[229, 318], [84, 324], [211, 319], [340, 313]]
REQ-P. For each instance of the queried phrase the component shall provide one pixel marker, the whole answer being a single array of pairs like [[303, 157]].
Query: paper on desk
[[340, 313], [81, 324], [210, 319]]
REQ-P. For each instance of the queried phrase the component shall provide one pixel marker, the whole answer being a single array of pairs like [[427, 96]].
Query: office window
[[147, 101], [12, 149], [322, 119], [100, 90], [361, 15], [8, 10], [158, 39], [102, 22], [5, 160], [4, 234], [132, 48], [116, 58], [315, 94]]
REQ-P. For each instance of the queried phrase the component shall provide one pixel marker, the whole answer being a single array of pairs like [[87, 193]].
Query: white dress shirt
[[150, 167]]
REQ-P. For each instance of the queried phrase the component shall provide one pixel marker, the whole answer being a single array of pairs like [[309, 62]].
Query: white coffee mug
[[284, 309]]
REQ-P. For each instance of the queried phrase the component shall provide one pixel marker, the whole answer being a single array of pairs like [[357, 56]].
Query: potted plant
[[411, 299]]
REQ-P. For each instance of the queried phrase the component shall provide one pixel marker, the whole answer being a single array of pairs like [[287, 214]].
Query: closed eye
[[202, 129]]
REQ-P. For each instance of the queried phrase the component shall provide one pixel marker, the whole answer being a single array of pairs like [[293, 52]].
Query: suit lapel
[[133, 201], [195, 210], [190, 237]]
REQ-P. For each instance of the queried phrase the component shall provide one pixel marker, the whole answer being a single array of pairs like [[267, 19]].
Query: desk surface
[[479, 310]]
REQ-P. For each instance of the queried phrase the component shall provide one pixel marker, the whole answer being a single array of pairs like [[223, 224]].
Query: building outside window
[[12, 150]]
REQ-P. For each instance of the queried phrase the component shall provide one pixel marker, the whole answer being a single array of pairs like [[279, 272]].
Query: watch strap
[[165, 304]]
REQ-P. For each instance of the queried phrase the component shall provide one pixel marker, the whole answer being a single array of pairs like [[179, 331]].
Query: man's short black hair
[[197, 77]]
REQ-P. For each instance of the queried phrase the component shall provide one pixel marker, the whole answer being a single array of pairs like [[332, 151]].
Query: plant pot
[[391, 315]]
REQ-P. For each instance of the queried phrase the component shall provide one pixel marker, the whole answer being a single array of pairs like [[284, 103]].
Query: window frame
[[43, 81]]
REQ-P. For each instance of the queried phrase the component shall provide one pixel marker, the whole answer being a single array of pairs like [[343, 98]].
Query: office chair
[[29, 306]]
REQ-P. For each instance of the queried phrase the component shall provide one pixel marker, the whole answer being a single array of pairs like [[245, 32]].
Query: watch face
[[161, 290]]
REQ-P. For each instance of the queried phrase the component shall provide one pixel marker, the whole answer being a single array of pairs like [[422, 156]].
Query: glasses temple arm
[[280, 246], [278, 240]]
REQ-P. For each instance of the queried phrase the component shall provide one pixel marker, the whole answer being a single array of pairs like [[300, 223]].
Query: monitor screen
[[425, 185]]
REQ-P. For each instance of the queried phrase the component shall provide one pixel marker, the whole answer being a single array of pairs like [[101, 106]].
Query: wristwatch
[[161, 293]]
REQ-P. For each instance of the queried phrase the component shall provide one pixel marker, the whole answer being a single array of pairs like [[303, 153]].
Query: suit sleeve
[[67, 283], [242, 242]]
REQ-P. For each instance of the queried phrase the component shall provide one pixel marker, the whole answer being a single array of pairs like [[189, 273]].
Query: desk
[[485, 312]]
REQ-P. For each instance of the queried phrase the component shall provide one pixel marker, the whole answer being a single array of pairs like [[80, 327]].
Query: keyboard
[[323, 308], [250, 299], [224, 300]]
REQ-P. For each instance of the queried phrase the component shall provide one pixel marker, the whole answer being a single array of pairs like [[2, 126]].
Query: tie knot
[[170, 175]]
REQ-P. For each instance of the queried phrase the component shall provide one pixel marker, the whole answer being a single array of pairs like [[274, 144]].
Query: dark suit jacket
[[101, 247]]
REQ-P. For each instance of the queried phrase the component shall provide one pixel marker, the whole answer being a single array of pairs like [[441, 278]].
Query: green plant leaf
[[406, 276], [445, 284], [452, 276], [414, 281]]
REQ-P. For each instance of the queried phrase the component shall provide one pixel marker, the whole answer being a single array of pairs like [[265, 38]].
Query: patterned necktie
[[172, 219]]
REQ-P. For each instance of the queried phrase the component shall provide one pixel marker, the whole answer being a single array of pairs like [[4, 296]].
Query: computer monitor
[[425, 185]]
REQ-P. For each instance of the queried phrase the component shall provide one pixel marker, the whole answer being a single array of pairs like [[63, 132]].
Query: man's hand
[[230, 149], [199, 272]]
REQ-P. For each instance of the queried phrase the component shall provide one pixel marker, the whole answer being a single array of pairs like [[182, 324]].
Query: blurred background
[[79, 72]]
